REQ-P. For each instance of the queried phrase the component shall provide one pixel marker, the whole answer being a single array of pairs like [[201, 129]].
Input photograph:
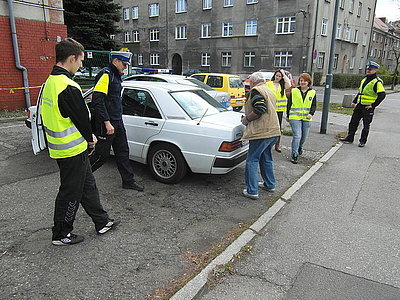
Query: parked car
[[229, 83], [173, 128], [221, 97], [191, 72]]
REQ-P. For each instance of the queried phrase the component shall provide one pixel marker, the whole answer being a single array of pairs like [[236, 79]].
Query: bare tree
[[396, 54]]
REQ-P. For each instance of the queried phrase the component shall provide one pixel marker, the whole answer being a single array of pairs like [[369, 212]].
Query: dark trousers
[[118, 141], [78, 186], [360, 112]]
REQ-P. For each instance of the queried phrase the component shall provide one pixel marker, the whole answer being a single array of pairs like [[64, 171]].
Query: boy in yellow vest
[[371, 93], [66, 121]]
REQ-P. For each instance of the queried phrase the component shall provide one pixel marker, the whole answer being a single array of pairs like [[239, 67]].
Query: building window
[[140, 59], [226, 59], [368, 14], [205, 59], [181, 6], [352, 62], [362, 63], [347, 34], [355, 40], [339, 31], [154, 35], [251, 27], [154, 10], [351, 6], [285, 25], [365, 39], [252, 1], [206, 30], [126, 14], [180, 33], [324, 27], [135, 34], [127, 37], [207, 4], [249, 59], [227, 29], [320, 60], [135, 12], [335, 61], [228, 3], [283, 59], [112, 36], [154, 59], [359, 9], [374, 36], [341, 4]]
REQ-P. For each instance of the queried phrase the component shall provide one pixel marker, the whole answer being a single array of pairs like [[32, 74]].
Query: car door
[[142, 118]]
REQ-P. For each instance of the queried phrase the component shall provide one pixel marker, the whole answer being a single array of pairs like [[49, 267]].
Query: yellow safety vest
[[281, 101], [300, 109], [63, 138], [367, 96]]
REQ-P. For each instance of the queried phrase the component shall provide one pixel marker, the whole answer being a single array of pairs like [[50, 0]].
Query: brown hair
[[305, 77], [66, 48]]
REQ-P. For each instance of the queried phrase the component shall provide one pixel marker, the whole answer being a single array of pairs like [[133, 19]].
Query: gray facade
[[247, 35]]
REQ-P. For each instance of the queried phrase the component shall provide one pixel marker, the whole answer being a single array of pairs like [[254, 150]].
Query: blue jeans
[[260, 154], [300, 131]]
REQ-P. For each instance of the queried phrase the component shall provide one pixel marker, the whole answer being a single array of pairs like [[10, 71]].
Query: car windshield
[[195, 82], [197, 103], [235, 82]]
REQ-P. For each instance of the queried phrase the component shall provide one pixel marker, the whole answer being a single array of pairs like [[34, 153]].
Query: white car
[[175, 128], [222, 97]]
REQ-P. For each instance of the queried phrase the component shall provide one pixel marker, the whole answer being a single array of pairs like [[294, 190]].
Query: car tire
[[167, 163], [237, 108]]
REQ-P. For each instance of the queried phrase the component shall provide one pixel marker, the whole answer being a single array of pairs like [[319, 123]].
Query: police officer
[[67, 126], [110, 130], [371, 94]]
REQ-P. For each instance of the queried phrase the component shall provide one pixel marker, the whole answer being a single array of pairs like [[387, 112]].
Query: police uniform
[[107, 104], [66, 122], [370, 94]]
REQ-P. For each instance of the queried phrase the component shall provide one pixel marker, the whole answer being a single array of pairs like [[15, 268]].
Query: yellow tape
[[12, 90]]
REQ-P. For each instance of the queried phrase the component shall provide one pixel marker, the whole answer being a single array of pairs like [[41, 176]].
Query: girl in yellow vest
[[300, 109], [279, 84]]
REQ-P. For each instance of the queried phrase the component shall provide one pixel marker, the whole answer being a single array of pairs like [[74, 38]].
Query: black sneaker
[[361, 144], [345, 141], [110, 225], [300, 150], [133, 186], [295, 159], [70, 239]]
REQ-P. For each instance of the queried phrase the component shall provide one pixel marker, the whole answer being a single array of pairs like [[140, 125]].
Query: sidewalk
[[336, 237]]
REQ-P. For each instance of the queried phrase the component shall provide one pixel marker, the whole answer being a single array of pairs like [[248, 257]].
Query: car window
[[139, 103], [235, 82], [199, 77], [197, 103], [195, 82], [215, 81]]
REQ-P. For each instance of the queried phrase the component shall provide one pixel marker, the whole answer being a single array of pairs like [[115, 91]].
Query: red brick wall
[[36, 42]]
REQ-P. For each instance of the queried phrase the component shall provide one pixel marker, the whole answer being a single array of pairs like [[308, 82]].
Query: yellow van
[[225, 83]]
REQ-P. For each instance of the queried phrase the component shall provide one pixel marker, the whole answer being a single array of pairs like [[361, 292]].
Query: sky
[[389, 9]]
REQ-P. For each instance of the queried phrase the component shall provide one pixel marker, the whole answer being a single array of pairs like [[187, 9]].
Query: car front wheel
[[167, 163]]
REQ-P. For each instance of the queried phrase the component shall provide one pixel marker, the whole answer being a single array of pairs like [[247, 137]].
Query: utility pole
[[329, 75]]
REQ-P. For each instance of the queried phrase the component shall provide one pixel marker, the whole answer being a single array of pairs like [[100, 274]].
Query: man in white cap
[[109, 127], [371, 93]]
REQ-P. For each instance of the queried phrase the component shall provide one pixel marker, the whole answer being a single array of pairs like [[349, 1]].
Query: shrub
[[317, 78]]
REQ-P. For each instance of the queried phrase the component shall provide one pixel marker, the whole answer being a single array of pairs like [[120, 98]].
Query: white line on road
[[12, 126]]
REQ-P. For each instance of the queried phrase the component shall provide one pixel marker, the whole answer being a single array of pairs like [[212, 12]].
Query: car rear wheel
[[166, 163]]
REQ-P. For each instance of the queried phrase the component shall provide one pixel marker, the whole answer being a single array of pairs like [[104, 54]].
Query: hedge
[[341, 81]]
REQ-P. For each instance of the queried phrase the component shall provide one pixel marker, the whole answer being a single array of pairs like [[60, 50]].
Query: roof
[[379, 24]]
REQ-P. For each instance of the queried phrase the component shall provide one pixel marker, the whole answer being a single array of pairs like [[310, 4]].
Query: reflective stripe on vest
[[300, 109], [281, 101], [367, 95], [63, 138]]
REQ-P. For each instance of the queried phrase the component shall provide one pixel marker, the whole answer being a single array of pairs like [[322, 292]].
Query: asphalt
[[333, 234]]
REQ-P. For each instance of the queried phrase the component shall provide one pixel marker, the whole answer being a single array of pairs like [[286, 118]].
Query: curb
[[13, 119], [195, 286]]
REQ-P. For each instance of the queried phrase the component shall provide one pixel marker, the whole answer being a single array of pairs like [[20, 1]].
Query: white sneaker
[[251, 196], [261, 185]]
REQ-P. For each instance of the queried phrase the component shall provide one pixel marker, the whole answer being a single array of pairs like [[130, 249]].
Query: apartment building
[[243, 36], [385, 42]]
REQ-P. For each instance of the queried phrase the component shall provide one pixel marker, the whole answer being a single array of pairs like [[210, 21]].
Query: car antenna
[[203, 116]]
